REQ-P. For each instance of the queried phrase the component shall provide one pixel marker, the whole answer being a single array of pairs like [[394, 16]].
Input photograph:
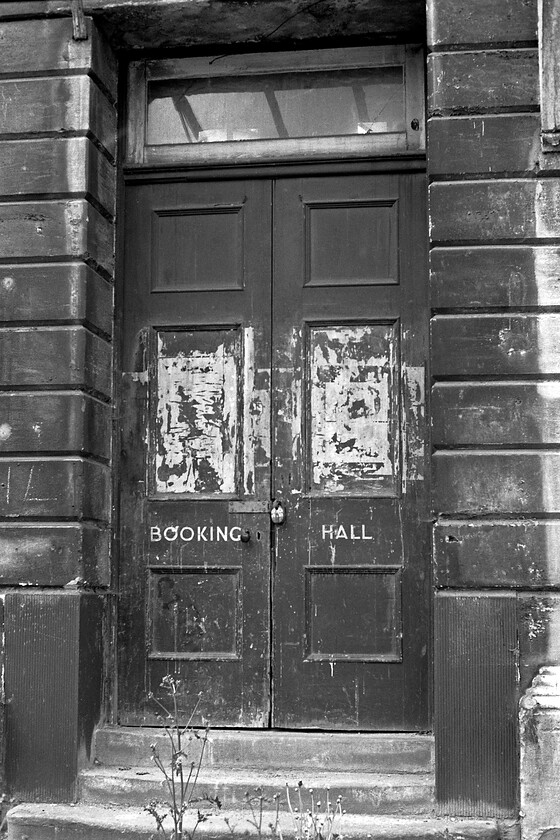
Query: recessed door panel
[[338, 254], [352, 409], [197, 418], [195, 613], [191, 246], [343, 607]]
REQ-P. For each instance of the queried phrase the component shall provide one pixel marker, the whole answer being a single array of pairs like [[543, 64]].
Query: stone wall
[[57, 207], [495, 292]]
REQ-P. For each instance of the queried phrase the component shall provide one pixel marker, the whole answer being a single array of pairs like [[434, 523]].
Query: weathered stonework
[[549, 29], [539, 719], [57, 210], [494, 277], [153, 24], [495, 265]]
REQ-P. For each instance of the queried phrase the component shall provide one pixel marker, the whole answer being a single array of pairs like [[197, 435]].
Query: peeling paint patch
[[138, 376], [353, 405], [256, 421], [414, 422], [537, 620], [197, 405], [248, 431], [296, 396]]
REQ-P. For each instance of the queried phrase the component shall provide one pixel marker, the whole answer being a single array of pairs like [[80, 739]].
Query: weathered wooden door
[[195, 479], [350, 589], [273, 350]]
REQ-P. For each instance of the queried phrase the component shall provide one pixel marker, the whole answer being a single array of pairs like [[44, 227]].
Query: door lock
[[277, 512]]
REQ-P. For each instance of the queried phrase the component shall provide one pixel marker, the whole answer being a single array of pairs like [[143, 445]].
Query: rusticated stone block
[[453, 22]]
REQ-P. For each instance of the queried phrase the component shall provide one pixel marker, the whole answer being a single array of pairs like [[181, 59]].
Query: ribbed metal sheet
[[476, 704], [41, 638]]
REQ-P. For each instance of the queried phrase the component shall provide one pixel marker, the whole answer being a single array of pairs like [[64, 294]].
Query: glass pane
[[276, 106]]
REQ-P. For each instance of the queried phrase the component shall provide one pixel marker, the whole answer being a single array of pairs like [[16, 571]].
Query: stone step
[[295, 752], [362, 793], [94, 822]]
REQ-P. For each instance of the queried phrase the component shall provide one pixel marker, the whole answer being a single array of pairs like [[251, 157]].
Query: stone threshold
[[96, 822]]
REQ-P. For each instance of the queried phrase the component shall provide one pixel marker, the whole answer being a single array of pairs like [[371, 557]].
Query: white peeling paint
[[261, 417], [413, 423], [138, 376], [350, 406], [256, 412], [248, 389], [296, 399], [539, 619], [197, 420]]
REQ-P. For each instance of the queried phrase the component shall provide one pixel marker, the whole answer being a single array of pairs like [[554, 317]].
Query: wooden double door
[[273, 527]]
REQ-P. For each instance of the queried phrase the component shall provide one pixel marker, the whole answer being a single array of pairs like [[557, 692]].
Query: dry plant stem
[[181, 789], [312, 823], [257, 821], [291, 810], [277, 831]]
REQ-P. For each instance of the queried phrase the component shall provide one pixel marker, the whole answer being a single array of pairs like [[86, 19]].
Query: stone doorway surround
[[59, 182], [494, 269]]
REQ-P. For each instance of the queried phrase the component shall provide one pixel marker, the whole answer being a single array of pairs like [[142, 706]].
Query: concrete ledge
[[362, 793], [71, 822], [295, 754]]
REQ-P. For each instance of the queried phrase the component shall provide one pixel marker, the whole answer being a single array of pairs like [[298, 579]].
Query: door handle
[[245, 535], [277, 512]]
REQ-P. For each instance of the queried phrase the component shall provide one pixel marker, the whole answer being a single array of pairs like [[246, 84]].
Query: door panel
[[195, 450], [352, 418], [274, 340], [196, 435], [350, 601]]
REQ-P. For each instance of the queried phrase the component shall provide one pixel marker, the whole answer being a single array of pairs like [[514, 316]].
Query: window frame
[[549, 74], [412, 140]]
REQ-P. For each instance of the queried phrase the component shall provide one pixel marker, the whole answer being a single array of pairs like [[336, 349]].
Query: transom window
[[321, 103]]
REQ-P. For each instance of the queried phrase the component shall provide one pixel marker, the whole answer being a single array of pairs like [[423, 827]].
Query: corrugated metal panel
[[476, 704], [90, 673], [41, 637]]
